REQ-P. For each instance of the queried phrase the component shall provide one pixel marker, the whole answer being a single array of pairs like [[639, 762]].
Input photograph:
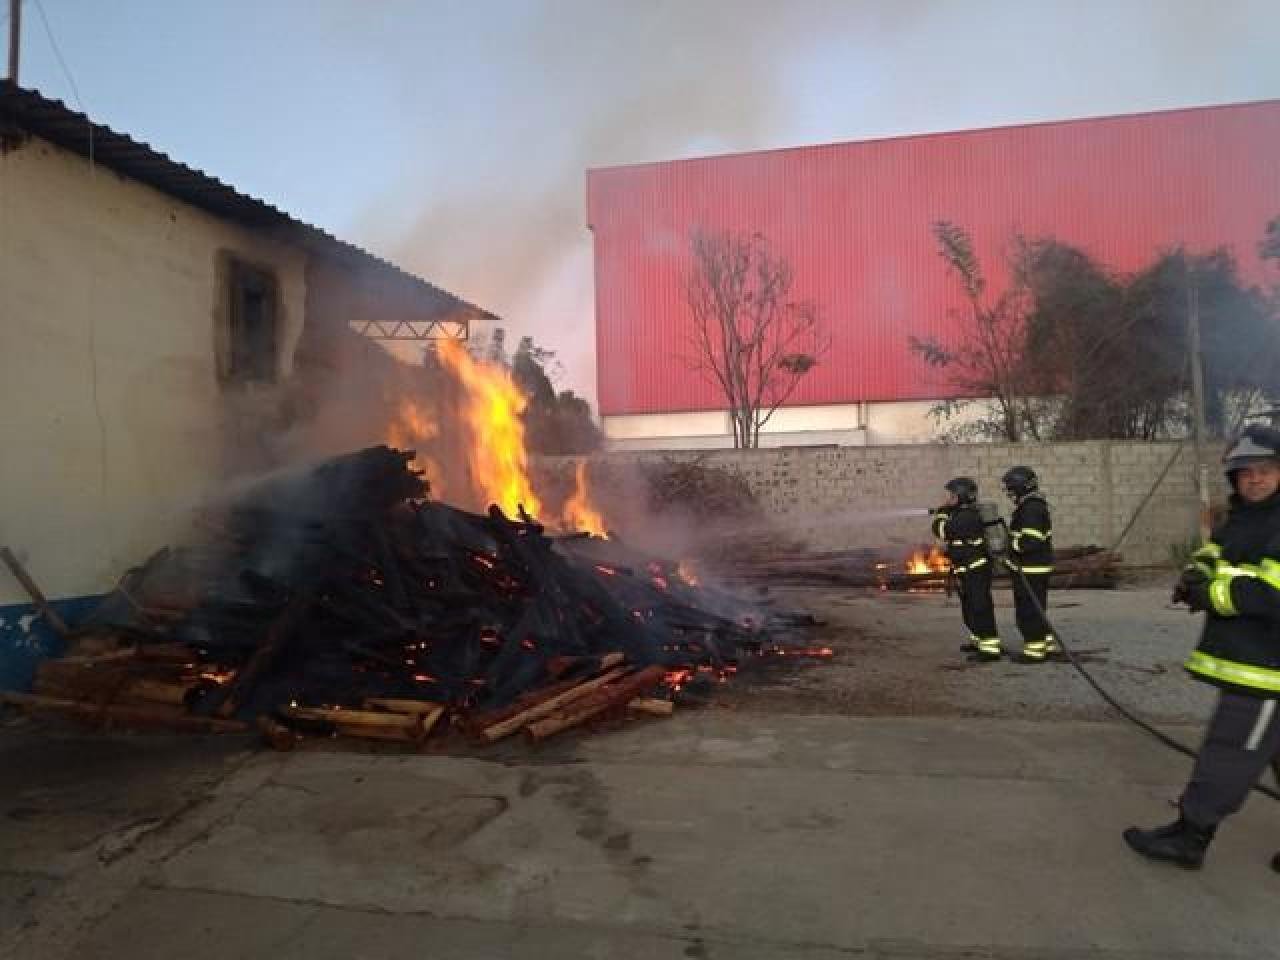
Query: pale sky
[[453, 137]]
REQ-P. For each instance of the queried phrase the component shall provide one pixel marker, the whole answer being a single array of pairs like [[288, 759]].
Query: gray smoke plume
[[515, 101]]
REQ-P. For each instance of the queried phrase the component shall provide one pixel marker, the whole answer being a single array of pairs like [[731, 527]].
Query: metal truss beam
[[412, 329]]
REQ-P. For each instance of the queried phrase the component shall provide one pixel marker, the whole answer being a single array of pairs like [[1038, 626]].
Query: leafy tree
[[555, 422], [1073, 351], [988, 361]]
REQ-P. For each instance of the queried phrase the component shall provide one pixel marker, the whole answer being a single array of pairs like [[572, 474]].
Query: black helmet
[[965, 488], [1019, 481], [1254, 444]]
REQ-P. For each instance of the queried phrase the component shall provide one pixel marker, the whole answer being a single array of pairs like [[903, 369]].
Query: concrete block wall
[[844, 497]]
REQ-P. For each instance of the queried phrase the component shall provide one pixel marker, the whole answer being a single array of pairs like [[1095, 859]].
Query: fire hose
[[1100, 690]]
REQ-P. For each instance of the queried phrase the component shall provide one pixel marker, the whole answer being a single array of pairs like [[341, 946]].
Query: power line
[[57, 52], [91, 314]]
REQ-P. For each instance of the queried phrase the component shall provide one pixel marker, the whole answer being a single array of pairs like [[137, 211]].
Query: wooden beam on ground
[[355, 718], [607, 698], [427, 712], [652, 706], [549, 706], [402, 706], [126, 714]]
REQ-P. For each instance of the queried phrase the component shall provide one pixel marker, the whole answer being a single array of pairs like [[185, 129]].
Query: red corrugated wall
[[854, 220]]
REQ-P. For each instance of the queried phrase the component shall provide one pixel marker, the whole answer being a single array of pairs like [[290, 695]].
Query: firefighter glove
[[1193, 590]]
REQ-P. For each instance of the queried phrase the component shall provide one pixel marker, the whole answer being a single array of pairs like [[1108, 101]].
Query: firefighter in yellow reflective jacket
[[1031, 554], [958, 525], [1235, 580]]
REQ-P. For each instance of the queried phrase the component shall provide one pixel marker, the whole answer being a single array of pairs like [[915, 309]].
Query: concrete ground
[[860, 809]]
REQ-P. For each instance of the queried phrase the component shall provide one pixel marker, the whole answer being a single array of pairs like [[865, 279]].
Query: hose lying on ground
[[1102, 692]]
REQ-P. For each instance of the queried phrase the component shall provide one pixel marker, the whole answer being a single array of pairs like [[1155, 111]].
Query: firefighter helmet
[[1255, 443], [1019, 481], [964, 488]]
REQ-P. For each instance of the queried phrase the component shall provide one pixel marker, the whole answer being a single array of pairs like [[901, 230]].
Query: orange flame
[[686, 573], [411, 428], [499, 464], [579, 514], [932, 562]]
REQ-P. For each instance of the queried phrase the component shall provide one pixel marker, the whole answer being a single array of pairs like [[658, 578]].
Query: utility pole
[[15, 38], [1197, 404]]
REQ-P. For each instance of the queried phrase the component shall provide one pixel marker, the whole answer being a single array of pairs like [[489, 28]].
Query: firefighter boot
[[987, 650], [1180, 842], [1033, 651], [970, 645]]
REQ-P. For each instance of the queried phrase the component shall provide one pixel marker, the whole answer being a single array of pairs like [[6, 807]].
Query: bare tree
[[988, 360], [748, 336]]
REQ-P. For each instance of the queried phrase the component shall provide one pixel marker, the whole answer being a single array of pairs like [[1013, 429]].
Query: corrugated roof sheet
[[854, 221], [52, 120]]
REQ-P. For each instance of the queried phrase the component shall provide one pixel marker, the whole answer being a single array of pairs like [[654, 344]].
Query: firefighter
[[958, 524], [1235, 580], [1030, 561]]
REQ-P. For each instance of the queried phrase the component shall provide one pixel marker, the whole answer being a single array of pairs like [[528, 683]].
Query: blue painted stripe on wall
[[25, 638]]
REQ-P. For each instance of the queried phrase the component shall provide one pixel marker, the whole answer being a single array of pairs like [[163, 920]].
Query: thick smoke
[[515, 101], [497, 213]]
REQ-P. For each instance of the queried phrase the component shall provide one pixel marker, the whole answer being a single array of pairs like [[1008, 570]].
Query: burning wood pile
[[342, 601]]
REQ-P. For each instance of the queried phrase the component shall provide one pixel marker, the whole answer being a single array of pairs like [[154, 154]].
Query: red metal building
[[854, 220]]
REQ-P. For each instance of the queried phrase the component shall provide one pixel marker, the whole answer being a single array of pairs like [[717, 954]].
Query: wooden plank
[[427, 712], [546, 707], [429, 720], [37, 597], [403, 706], [560, 665], [607, 698], [156, 691], [355, 718], [476, 722], [652, 706], [128, 715], [98, 659]]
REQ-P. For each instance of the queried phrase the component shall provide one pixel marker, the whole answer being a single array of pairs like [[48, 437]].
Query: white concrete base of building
[[842, 425]]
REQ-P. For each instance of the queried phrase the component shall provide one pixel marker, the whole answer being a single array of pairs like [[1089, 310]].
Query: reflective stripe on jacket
[[1031, 535]]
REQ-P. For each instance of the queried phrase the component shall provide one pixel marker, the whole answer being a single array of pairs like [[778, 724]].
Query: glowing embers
[[925, 562], [685, 571], [797, 653], [699, 679], [384, 609]]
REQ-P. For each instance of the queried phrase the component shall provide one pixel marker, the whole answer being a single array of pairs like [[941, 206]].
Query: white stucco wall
[[845, 425], [112, 420]]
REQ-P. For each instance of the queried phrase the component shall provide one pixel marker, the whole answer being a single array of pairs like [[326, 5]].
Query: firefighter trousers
[[976, 606], [1242, 739], [1037, 641]]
